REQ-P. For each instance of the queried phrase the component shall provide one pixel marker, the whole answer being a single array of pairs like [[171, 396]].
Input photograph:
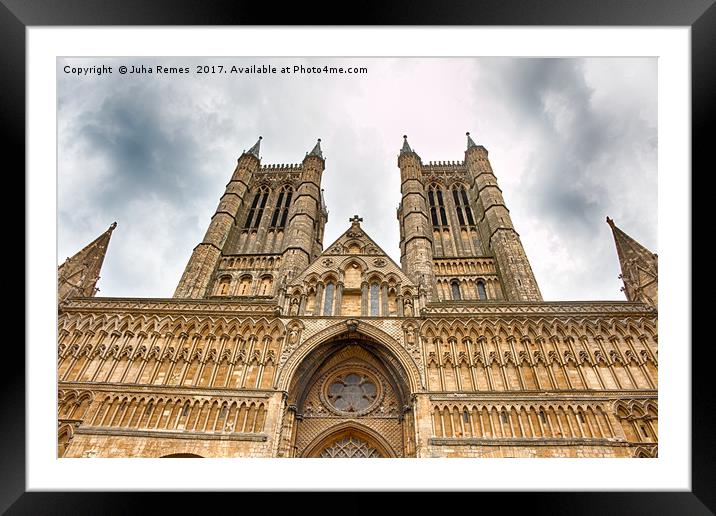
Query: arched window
[[374, 299], [392, 302], [437, 206], [253, 219], [328, 299], [481, 292], [462, 206], [245, 286], [311, 308], [466, 205], [266, 286], [458, 206], [280, 212], [224, 284], [352, 276], [455, 287]]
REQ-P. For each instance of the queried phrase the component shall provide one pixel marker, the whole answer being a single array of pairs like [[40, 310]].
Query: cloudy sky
[[570, 140]]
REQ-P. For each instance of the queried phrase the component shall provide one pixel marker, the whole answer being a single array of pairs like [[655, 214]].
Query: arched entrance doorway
[[349, 398], [349, 441]]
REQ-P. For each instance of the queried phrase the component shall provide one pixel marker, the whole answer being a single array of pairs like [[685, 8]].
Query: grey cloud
[[579, 166]]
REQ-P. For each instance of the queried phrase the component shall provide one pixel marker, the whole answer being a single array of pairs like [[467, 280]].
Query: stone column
[[384, 299], [319, 299], [338, 298], [364, 307]]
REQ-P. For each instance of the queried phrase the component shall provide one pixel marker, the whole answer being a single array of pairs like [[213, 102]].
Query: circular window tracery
[[353, 391]]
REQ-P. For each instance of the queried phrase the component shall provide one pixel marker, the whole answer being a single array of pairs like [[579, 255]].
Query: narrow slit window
[[252, 210], [455, 287], [328, 299], [260, 211], [437, 206], [481, 292], [443, 216], [374, 299], [433, 208], [286, 206], [458, 207], [277, 210]]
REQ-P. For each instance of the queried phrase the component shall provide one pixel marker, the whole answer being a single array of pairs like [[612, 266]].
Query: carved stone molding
[[541, 308], [176, 434], [171, 306]]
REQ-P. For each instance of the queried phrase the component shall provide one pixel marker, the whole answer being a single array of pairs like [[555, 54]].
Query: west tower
[[456, 235], [268, 227]]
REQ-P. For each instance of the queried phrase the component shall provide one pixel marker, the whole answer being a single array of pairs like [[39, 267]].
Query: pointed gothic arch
[[349, 440], [349, 375]]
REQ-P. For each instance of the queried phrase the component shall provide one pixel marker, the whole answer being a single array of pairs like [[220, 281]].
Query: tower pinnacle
[[639, 268], [317, 150], [470, 143], [406, 147], [254, 151], [78, 276]]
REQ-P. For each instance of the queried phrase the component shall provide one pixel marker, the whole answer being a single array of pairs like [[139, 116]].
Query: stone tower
[[274, 347], [416, 248], [268, 225], [78, 276], [456, 233], [639, 268]]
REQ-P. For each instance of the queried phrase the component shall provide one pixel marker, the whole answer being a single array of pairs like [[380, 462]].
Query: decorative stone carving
[[350, 448]]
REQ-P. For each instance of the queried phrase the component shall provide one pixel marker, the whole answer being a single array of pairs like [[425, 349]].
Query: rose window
[[352, 393]]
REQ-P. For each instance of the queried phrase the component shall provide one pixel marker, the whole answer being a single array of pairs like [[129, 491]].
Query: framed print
[[232, 280]]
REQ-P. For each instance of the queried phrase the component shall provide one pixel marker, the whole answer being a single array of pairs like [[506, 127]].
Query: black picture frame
[[700, 15]]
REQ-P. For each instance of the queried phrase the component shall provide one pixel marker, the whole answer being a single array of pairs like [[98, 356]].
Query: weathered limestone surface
[[274, 347]]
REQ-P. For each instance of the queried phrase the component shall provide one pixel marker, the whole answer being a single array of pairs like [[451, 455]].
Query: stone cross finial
[[355, 219]]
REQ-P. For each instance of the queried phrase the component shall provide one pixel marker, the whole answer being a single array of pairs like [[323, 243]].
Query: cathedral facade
[[274, 346]]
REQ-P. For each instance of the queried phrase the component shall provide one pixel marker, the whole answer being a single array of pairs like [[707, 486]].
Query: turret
[[496, 229], [308, 217], [416, 243], [204, 259]]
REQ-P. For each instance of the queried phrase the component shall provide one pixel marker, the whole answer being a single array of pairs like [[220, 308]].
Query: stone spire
[[470, 143], [317, 150], [639, 268], [406, 147], [254, 151], [78, 276]]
